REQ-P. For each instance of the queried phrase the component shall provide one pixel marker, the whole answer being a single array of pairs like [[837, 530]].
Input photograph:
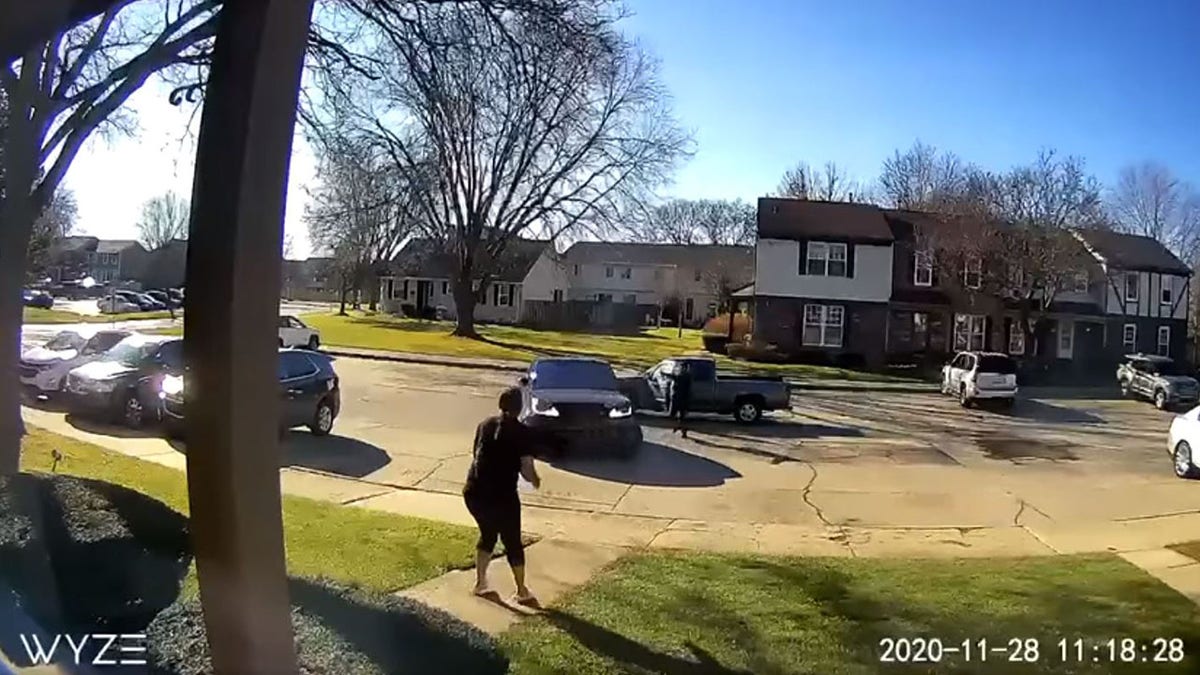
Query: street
[[845, 464]]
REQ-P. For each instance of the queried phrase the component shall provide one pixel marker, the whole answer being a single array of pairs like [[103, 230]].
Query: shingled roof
[[427, 259], [780, 218], [1132, 252]]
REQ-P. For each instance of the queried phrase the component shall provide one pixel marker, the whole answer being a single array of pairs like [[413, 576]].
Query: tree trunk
[[679, 318], [342, 298], [374, 296], [464, 309], [17, 213], [732, 316]]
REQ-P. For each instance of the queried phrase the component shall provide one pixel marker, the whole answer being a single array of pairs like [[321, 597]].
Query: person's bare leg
[[482, 560], [524, 595]]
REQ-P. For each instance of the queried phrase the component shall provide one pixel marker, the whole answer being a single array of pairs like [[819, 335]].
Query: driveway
[[875, 471]]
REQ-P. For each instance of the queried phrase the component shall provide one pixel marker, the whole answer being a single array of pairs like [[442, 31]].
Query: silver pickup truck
[[743, 397]]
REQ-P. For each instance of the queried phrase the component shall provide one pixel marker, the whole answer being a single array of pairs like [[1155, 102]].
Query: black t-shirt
[[497, 457]]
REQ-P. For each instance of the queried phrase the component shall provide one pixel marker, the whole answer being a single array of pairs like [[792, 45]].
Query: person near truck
[[503, 451], [681, 397]]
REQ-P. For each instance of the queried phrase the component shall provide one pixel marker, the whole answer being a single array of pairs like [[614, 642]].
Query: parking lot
[[840, 461]]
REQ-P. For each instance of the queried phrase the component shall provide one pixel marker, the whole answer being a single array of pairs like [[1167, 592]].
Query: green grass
[[40, 315], [384, 332], [682, 613], [373, 550]]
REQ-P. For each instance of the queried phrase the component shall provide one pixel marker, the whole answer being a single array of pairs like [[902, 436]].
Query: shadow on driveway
[[769, 428], [654, 465], [93, 425], [332, 454], [1040, 411]]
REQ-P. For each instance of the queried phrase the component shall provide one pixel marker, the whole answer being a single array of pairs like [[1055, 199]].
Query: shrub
[[756, 352]]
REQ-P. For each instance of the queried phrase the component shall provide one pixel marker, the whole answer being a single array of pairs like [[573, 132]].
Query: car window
[[171, 354], [960, 361], [283, 322], [703, 370], [102, 342], [296, 365], [296, 323], [1169, 369], [572, 375], [1000, 365], [64, 341]]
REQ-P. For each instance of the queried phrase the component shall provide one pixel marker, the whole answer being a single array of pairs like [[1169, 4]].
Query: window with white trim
[[1016, 339], [923, 268], [608, 272], [969, 331], [973, 272], [823, 325], [1164, 340], [1129, 338], [1131, 287], [826, 259], [1081, 282], [1164, 295], [626, 272]]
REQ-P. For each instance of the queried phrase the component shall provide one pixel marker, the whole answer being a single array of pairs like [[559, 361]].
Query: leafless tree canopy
[[922, 178], [56, 222], [697, 221], [164, 218], [518, 122], [830, 183], [361, 211], [1150, 200]]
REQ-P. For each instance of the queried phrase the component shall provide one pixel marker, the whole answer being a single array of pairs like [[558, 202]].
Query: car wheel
[[322, 422], [314, 343], [1160, 399], [133, 413], [747, 410], [963, 399], [1184, 467]]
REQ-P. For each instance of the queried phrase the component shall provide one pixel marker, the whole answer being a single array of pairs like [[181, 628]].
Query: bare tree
[[1150, 200], [831, 183], [519, 123], [164, 219], [56, 222], [922, 178], [361, 211], [697, 221]]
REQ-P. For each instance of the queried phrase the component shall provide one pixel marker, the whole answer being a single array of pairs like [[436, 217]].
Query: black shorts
[[498, 516]]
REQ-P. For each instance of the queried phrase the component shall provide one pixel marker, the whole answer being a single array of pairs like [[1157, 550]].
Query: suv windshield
[[130, 352], [1167, 368], [572, 375], [1001, 365], [64, 341]]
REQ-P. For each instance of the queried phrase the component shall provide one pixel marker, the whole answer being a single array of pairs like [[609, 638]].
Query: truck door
[[704, 385], [659, 381]]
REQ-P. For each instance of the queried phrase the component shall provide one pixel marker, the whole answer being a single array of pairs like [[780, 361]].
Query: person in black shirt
[[503, 450], [681, 397]]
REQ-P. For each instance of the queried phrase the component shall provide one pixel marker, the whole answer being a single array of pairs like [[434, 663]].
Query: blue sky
[[765, 83]]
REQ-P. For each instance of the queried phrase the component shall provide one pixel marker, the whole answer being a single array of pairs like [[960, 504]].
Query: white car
[[1184, 436], [293, 333], [973, 376], [45, 368], [117, 305]]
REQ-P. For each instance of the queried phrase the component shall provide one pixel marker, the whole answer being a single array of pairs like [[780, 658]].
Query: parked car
[[1159, 379], [974, 376], [149, 303], [308, 388], [124, 384], [578, 406], [32, 298], [744, 397], [164, 298], [293, 333], [117, 305], [1183, 437], [45, 368]]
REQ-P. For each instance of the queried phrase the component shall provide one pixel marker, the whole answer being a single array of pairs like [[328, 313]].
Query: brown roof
[[1132, 252], [780, 218]]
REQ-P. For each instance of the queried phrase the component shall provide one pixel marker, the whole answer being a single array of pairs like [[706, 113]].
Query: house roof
[[1132, 252], [780, 218], [426, 258], [115, 245], [668, 255], [77, 243]]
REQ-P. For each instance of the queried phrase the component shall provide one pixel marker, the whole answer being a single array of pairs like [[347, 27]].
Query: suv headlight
[[101, 386], [623, 410], [544, 408], [172, 385]]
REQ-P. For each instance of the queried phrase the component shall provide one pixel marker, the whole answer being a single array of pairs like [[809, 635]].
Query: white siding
[[777, 273], [483, 312], [546, 276], [1148, 304]]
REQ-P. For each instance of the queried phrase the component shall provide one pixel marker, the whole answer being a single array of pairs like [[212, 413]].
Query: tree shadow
[[92, 425], [1040, 411], [764, 428], [653, 464], [618, 648], [1107, 392], [81, 556]]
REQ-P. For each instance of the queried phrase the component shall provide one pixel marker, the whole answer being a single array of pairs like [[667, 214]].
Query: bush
[[756, 352], [342, 630]]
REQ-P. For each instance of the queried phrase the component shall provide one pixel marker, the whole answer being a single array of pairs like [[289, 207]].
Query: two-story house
[[420, 278], [653, 276], [823, 278], [104, 260], [858, 282]]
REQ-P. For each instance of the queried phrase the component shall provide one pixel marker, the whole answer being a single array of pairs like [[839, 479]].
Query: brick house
[[852, 283]]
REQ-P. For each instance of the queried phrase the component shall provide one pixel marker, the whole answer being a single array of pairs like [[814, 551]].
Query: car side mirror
[[523, 381]]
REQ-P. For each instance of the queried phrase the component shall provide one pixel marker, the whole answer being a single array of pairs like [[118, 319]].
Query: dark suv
[[124, 384], [308, 388], [577, 403]]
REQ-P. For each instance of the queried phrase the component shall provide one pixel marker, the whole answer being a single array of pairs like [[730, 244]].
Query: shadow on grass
[[654, 464], [81, 556]]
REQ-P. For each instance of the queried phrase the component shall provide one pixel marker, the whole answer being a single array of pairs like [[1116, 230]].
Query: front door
[[297, 380], [424, 294], [1066, 339], [659, 379]]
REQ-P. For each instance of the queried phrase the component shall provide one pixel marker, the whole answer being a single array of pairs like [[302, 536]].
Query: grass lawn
[[380, 331], [40, 315], [377, 551], [684, 613]]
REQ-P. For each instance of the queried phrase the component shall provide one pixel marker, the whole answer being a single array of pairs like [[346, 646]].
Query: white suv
[[45, 368], [981, 375], [293, 333]]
